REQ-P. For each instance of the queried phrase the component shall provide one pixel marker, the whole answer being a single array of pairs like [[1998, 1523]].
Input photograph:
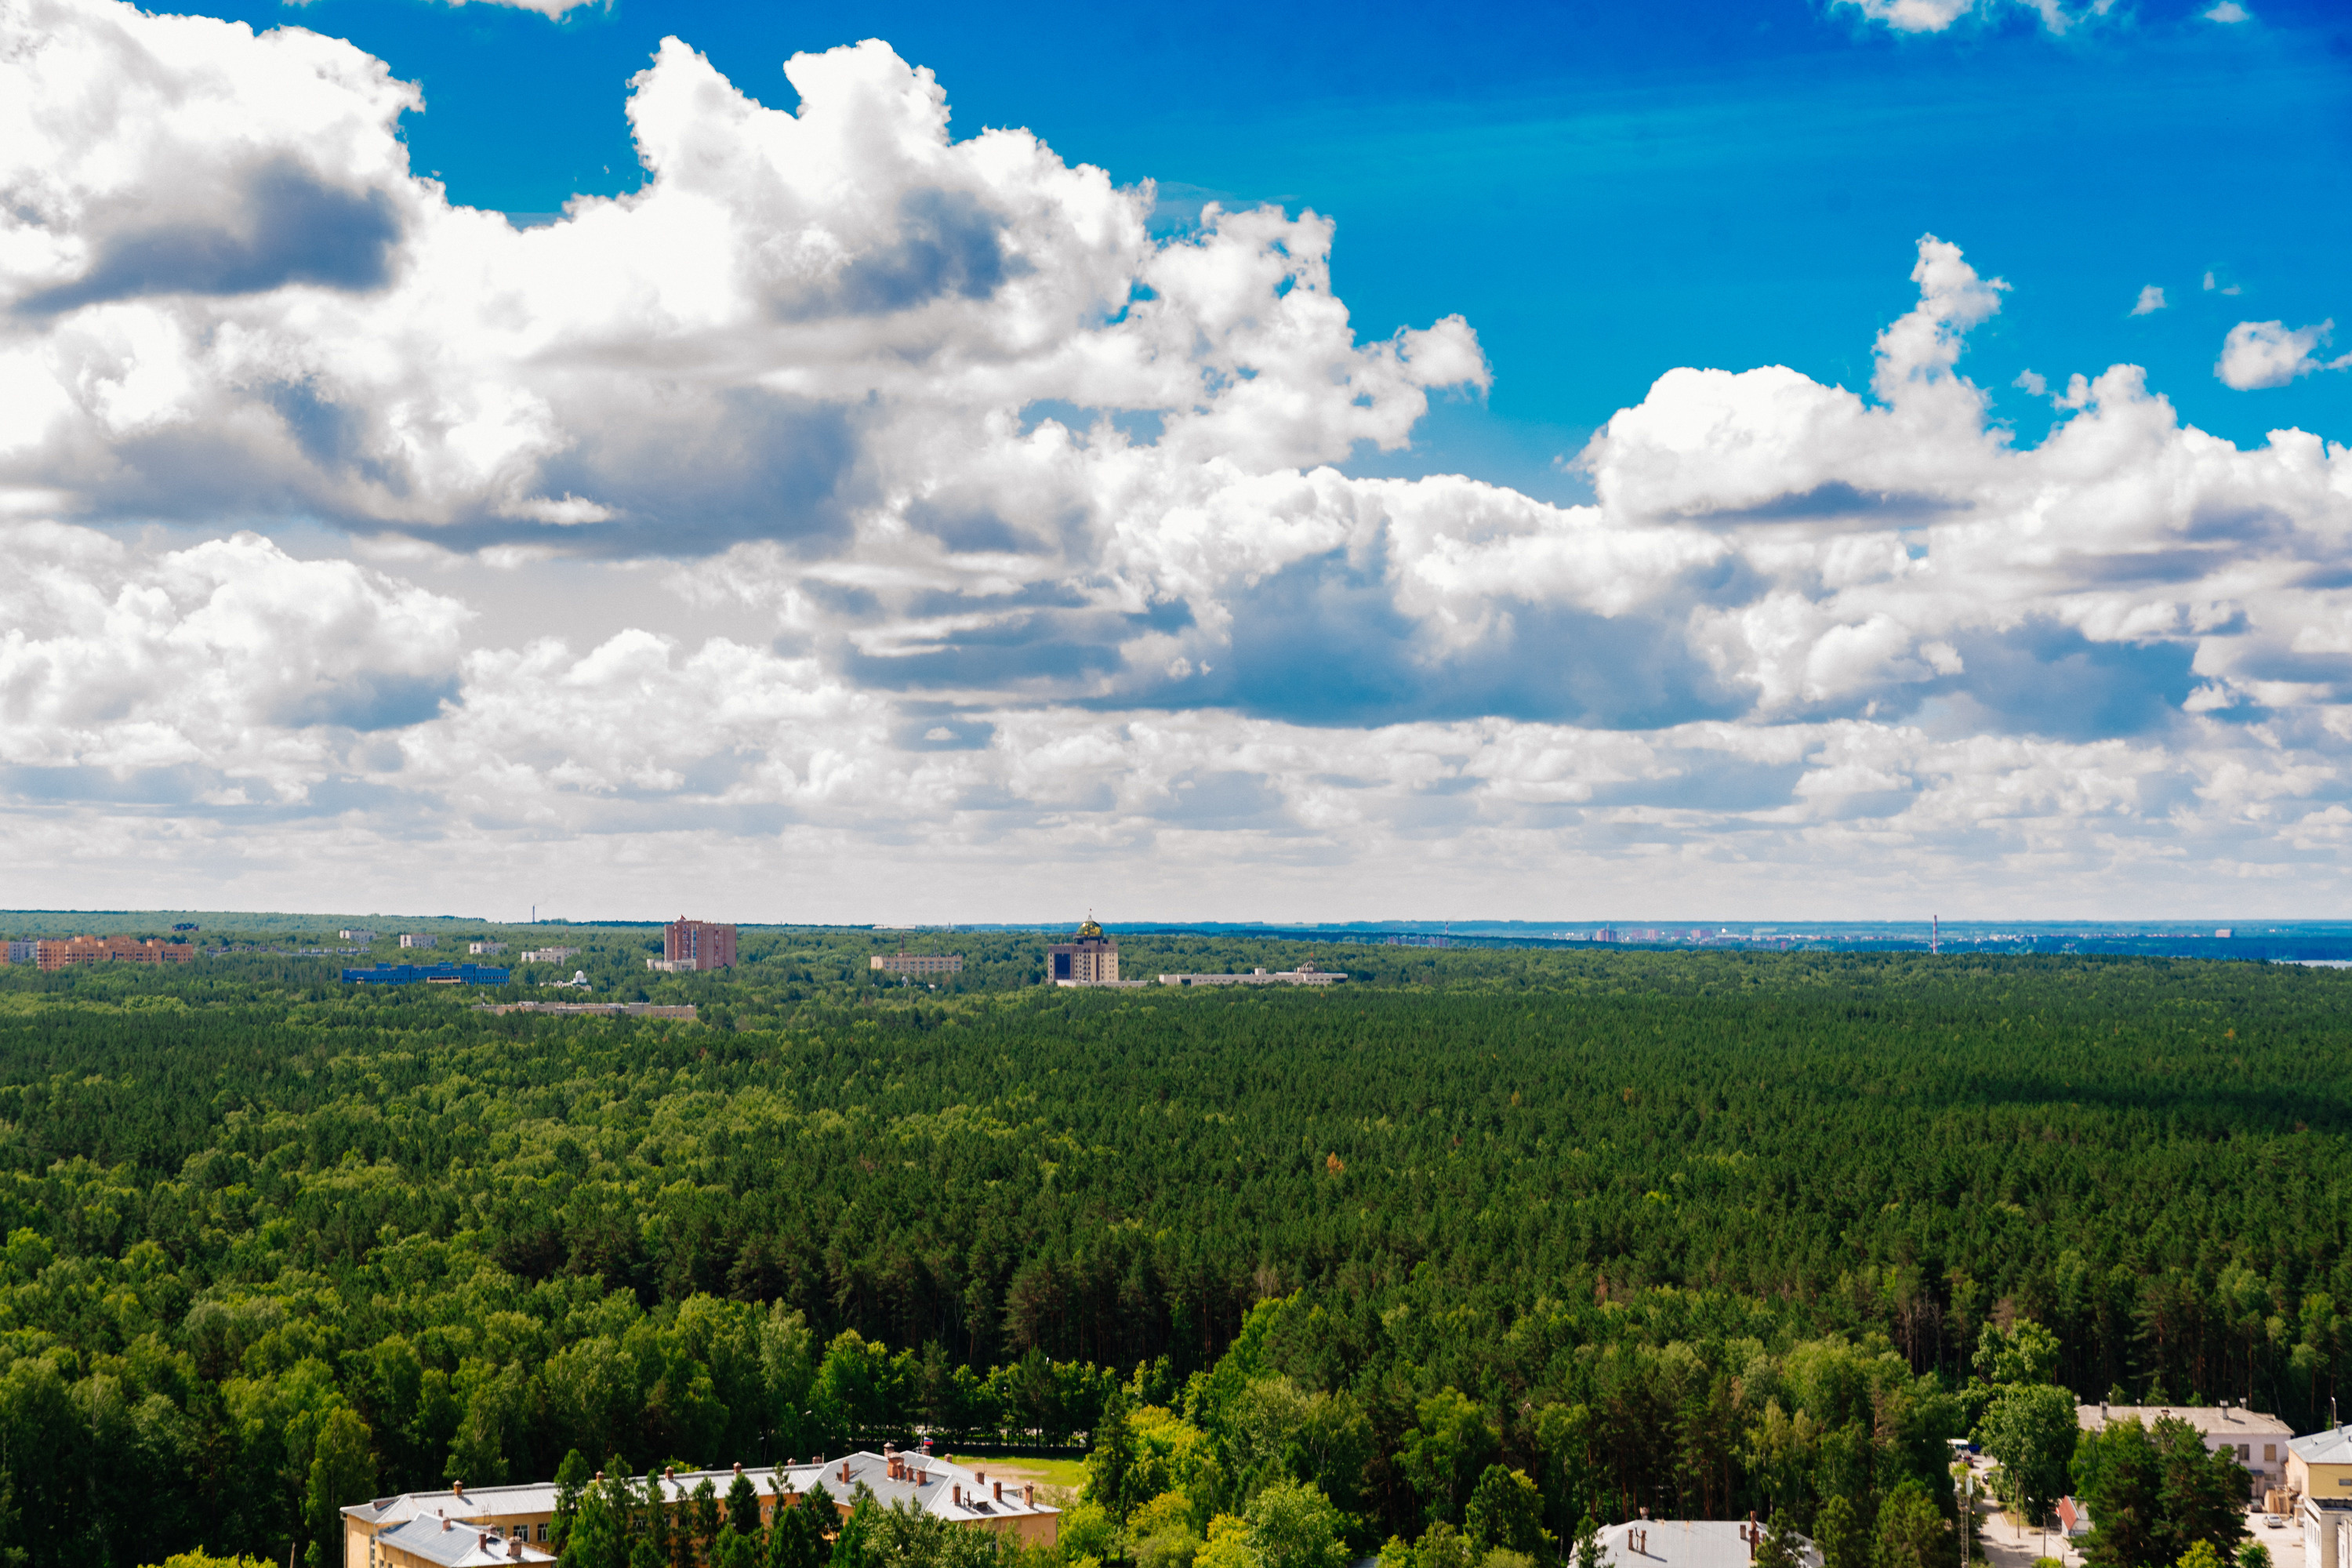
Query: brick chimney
[[1000, 1489]]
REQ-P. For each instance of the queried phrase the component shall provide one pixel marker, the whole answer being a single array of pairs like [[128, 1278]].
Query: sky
[[1830, 458]]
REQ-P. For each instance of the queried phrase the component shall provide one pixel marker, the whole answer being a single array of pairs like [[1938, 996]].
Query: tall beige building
[[1092, 960]]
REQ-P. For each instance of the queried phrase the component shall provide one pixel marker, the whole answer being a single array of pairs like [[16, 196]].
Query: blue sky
[[1761, 461], [1601, 190]]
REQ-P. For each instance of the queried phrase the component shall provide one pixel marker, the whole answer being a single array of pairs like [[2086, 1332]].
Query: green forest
[[1459, 1258]]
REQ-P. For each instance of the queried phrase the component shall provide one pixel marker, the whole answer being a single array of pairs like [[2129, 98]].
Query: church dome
[[1089, 931]]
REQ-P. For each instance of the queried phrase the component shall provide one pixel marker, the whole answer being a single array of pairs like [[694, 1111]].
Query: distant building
[[689, 945], [1091, 959], [22, 950], [79, 950], [2259, 1442], [487, 947], [426, 975], [548, 955], [356, 935], [614, 1009], [1692, 1543], [917, 963], [1305, 974], [418, 939], [185, 925]]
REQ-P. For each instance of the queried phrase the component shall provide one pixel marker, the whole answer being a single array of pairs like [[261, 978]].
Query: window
[[2270, 1453], [2245, 1450]]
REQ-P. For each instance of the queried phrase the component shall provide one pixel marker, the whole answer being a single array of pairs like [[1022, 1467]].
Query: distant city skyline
[[858, 464]]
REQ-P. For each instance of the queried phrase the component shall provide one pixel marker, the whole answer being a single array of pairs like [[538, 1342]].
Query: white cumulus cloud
[[2150, 300], [1000, 544], [1941, 15], [2270, 354]]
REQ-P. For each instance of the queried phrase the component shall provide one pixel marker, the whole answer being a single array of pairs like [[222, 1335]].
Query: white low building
[[2257, 1441], [1692, 1543], [1305, 974]]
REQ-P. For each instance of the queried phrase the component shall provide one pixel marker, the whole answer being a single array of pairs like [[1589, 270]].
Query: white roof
[[458, 1544], [1689, 1544], [954, 1492], [2333, 1446], [2213, 1420], [938, 1491]]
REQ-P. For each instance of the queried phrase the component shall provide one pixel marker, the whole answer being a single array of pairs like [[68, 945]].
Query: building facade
[[689, 945], [1091, 959], [477, 1527], [2257, 1441], [419, 939], [916, 963], [78, 950]]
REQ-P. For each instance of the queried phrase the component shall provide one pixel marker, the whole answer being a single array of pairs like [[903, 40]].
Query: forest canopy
[[1462, 1256]]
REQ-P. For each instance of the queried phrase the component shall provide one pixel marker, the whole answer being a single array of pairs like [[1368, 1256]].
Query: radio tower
[[1935, 933]]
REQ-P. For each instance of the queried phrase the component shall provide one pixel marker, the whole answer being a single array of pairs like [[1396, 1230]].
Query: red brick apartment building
[[73, 950], [697, 944]]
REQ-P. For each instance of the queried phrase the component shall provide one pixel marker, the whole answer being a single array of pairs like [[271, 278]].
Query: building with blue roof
[[426, 975]]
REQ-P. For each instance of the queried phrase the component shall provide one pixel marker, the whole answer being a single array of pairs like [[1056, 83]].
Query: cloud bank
[[1055, 575]]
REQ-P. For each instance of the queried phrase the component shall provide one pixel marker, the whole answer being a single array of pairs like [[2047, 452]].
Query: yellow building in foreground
[[2320, 1466], [475, 1527]]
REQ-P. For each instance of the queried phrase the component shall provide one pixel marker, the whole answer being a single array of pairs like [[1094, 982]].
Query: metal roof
[[2333, 1446], [458, 1544], [951, 1491], [1689, 1544]]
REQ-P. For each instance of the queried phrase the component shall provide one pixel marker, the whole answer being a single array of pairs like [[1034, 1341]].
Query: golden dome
[[1089, 929]]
